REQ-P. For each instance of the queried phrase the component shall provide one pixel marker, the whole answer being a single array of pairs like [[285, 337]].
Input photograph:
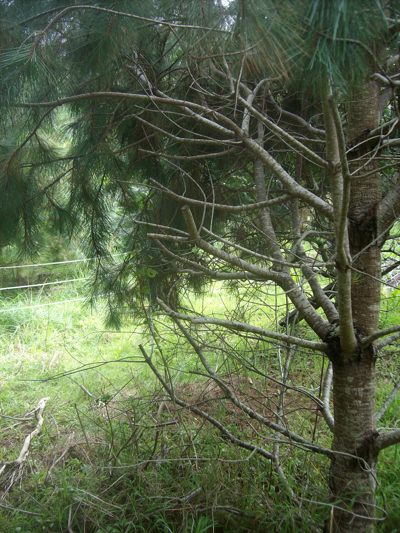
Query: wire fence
[[45, 284], [35, 306], [68, 261], [7, 309]]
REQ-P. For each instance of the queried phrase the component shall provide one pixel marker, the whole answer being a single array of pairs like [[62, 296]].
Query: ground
[[114, 456]]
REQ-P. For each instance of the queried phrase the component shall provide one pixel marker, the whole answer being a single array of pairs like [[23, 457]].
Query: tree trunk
[[353, 476], [353, 468]]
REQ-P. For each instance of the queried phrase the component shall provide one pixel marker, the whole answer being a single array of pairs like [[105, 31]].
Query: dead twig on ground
[[12, 471]]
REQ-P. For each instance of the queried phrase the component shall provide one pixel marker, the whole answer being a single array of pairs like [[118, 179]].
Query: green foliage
[[87, 167], [343, 41]]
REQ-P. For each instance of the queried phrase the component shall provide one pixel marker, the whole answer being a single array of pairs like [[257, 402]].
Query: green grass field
[[113, 457]]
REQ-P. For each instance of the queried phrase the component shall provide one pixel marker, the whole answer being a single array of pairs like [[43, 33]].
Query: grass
[[113, 458]]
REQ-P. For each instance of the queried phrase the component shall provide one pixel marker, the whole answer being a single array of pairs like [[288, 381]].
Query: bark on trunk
[[365, 251], [353, 468], [352, 478]]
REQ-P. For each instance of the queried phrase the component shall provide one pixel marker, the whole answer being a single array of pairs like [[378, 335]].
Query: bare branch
[[250, 100], [384, 440], [340, 193], [256, 254], [157, 22], [213, 274], [343, 208], [221, 254], [192, 108], [367, 341], [280, 429], [233, 397], [197, 157], [287, 180], [195, 111], [220, 207], [285, 136], [389, 209], [184, 140], [264, 217], [241, 326], [13, 469], [326, 393], [213, 421], [292, 117], [387, 341], [387, 403], [284, 280]]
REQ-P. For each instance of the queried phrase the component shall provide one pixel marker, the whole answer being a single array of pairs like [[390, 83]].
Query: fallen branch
[[14, 468]]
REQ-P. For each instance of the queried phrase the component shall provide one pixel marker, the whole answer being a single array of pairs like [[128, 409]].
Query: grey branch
[[233, 397], [213, 421], [367, 341], [389, 209], [285, 136], [284, 280], [384, 440], [387, 341], [242, 326], [326, 393], [280, 429], [387, 403], [196, 111], [220, 207]]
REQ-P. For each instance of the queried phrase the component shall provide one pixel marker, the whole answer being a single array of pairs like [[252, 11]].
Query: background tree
[[252, 143]]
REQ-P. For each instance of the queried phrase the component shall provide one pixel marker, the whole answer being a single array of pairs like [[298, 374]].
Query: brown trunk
[[353, 475], [365, 196], [353, 469]]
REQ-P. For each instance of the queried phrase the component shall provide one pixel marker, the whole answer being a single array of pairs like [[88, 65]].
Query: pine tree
[[252, 142]]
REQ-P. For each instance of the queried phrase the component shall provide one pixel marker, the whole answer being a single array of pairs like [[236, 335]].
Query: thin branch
[[256, 254], [197, 157], [250, 100], [199, 269], [221, 254], [335, 147], [326, 393], [385, 80], [16, 466], [296, 118], [224, 430], [195, 110], [291, 185], [157, 22], [387, 341], [242, 326], [284, 280], [184, 140], [220, 207], [387, 403], [231, 394], [384, 440], [264, 216], [164, 237], [367, 341], [188, 106], [295, 316], [213, 421], [285, 136], [27, 139], [341, 234]]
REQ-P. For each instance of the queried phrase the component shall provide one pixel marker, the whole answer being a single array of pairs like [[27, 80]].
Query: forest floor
[[113, 456]]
